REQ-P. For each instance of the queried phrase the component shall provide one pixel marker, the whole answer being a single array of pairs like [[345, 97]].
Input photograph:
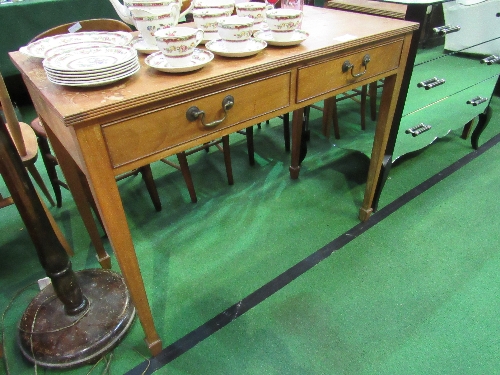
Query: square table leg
[[102, 183]]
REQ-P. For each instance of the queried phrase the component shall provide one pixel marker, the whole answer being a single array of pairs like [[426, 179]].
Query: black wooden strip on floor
[[182, 345]]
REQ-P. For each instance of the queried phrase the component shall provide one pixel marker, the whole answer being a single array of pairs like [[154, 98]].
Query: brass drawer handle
[[490, 60], [476, 101], [194, 112], [447, 29], [431, 83], [348, 66], [419, 129]]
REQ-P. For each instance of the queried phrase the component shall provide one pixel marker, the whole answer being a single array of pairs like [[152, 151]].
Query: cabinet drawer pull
[[490, 60], [447, 29], [194, 112], [477, 100], [419, 129], [431, 83], [347, 65]]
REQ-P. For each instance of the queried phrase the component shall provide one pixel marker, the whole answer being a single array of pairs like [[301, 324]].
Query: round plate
[[90, 59], [97, 82], [141, 46], [298, 37], [199, 59], [71, 46], [219, 48], [38, 48], [208, 36], [94, 76]]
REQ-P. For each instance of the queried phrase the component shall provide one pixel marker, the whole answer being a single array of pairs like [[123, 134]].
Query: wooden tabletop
[[343, 31]]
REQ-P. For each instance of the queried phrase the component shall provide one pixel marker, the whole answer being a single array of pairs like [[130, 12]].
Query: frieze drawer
[[145, 137], [324, 77]]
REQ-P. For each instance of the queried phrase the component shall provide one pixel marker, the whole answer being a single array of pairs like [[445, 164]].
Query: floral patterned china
[[199, 59], [40, 47], [90, 59], [220, 47], [95, 82], [141, 46], [91, 66], [297, 37]]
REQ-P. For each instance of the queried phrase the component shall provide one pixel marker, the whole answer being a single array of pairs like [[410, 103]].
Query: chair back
[[10, 116], [98, 24]]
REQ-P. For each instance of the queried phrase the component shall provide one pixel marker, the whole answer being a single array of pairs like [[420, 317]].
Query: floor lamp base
[[50, 338]]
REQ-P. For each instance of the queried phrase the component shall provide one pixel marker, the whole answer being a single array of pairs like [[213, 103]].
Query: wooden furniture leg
[[102, 182], [382, 130], [73, 179], [297, 122]]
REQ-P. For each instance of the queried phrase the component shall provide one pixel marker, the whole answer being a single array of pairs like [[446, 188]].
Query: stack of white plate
[[40, 47], [90, 66]]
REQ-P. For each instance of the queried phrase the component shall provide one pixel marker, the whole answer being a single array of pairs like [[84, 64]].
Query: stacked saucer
[[92, 65]]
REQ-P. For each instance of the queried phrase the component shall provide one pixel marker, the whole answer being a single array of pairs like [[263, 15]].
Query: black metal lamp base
[[51, 338]]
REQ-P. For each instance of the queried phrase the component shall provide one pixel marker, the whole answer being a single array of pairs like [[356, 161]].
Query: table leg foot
[[104, 260], [364, 214], [294, 172], [154, 346]]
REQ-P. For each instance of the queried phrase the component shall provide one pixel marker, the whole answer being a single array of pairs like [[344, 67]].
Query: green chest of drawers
[[451, 83]]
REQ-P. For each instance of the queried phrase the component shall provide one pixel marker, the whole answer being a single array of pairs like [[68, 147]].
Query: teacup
[[236, 32], [148, 21], [178, 44], [283, 22], [228, 5], [207, 19], [254, 10]]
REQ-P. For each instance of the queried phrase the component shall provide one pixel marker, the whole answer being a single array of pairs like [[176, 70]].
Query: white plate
[[90, 73], [96, 82], [141, 46], [38, 48], [90, 59], [208, 36], [219, 48], [298, 37], [199, 59], [91, 77], [71, 46]]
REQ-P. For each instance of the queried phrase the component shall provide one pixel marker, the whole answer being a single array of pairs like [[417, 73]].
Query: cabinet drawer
[[478, 22], [459, 72], [324, 77], [166, 127], [451, 113]]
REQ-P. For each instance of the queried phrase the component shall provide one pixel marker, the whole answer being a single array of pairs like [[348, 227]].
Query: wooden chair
[[24, 139]]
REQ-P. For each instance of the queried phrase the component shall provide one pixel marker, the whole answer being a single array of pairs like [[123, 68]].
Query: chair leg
[[335, 119], [364, 92], [147, 177], [43, 144], [286, 131], [184, 166], [227, 159], [250, 148], [372, 91], [38, 179]]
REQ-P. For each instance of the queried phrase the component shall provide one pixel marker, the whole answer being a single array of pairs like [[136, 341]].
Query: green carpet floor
[[402, 298]]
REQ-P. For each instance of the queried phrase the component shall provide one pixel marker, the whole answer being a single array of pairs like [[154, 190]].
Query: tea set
[[226, 29]]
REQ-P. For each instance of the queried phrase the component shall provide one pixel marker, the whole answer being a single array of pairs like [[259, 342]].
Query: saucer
[[141, 46], [199, 59], [219, 48], [208, 36], [298, 37]]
